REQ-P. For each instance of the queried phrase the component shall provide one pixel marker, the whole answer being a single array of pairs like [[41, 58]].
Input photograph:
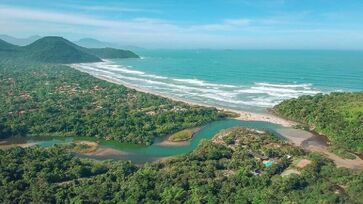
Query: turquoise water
[[206, 132], [140, 154], [239, 79], [268, 163]]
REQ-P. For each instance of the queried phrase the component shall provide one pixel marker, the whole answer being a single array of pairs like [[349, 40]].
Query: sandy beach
[[168, 143], [264, 117], [87, 143], [103, 151], [295, 136], [243, 115]]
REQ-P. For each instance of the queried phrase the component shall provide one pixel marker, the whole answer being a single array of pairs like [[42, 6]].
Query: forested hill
[[339, 116], [5, 46], [59, 50]]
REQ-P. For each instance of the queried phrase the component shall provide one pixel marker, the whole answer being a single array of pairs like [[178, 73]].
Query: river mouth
[[140, 154]]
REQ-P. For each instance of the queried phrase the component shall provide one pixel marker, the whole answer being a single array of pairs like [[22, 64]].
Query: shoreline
[[243, 115], [298, 140]]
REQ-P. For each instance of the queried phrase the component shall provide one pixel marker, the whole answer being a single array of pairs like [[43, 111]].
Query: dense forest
[[55, 100], [59, 50], [339, 116], [230, 168], [238, 165]]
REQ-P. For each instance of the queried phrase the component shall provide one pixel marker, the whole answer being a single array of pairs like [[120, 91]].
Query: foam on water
[[258, 95], [284, 85], [203, 83]]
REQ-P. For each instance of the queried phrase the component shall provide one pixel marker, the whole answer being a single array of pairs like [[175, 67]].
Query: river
[[140, 153]]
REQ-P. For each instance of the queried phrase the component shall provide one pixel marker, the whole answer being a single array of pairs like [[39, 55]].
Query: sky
[[186, 24]]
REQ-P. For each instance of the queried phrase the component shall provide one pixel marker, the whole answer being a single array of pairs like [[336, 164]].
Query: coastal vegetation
[[227, 169], [39, 97], [182, 135], [59, 50], [56, 100], [339, 116]]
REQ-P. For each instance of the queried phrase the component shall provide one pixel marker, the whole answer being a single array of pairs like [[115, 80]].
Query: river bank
[[159, 150]]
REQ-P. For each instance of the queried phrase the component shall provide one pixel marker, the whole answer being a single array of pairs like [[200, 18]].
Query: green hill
[[339, 116], [59, 50], [7, 51], [5, 46]]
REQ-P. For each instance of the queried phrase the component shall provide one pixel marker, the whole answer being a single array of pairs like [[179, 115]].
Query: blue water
[[239, 79]]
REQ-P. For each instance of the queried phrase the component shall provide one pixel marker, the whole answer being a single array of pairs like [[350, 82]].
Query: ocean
[[247, 80]]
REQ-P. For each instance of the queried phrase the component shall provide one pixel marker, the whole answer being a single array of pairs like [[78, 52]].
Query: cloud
[[151, 24], [237, 32], [7, 12]]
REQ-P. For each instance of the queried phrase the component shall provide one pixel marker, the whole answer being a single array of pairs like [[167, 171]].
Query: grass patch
[[230, 114], [342, 153], [84, 146], [181, 135]]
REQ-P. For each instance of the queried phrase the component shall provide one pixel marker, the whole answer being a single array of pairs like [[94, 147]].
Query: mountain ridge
[[20, 41], [94, 43], [6, 46], [55, 49], [58, 50]]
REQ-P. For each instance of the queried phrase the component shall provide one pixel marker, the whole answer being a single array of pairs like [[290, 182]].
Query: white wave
[[227, 94], [259, 94], [155, 76], [120, 69], [283, 90], [89, 68], [203, 83], [264, 104], [174, 86], [219, 98], [282, 85], [191, 81], [279, 92]]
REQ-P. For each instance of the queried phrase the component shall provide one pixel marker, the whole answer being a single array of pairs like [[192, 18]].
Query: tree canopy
[[339, 116], [56, 100], [227, 169]]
